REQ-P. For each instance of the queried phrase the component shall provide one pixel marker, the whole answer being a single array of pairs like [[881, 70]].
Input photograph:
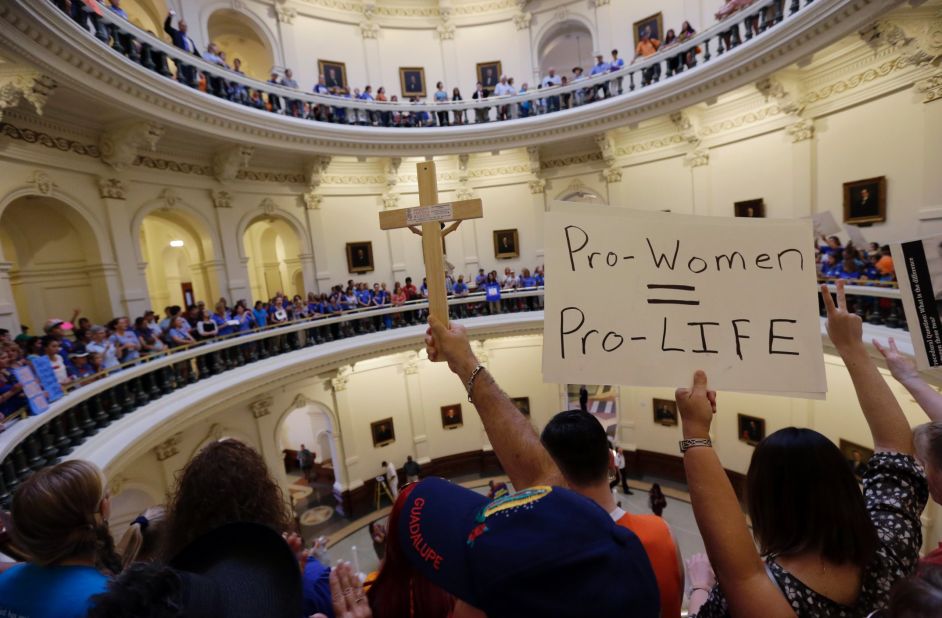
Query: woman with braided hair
[[60, 521]]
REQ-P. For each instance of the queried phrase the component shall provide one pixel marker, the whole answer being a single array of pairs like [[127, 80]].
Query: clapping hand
[[346, 593]]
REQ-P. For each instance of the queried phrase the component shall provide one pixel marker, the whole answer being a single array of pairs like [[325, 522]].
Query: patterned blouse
[[896, 492]]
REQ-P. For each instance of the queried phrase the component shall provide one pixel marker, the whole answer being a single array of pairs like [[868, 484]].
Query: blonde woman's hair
[[927, 439], [57, 516], [141, 541]]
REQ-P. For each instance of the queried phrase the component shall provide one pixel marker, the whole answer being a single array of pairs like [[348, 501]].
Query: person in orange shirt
[[647, 47], [577, 443], [885, 263]]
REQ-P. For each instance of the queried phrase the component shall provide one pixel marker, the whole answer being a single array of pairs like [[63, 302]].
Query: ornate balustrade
[[740, 49]]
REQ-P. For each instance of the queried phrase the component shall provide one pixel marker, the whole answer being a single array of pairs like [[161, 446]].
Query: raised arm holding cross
[[430, 215]]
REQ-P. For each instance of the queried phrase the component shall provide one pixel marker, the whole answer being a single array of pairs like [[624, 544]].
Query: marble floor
[[352, 543]]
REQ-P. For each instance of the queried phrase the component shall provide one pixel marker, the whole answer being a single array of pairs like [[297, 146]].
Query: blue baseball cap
[[542, 551]]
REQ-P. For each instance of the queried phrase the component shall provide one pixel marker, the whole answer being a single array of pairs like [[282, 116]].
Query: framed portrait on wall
[[653, 26], [751, 429], [506, 244], [451, 416], [412, 81], [383, 432], [750, 208], [665, 412], [335, 73], [523, 404], [489, 74], [360, 257], [865, 201]]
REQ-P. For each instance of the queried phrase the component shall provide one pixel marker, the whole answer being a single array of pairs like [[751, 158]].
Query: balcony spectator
[[80, 367], [100, 344], [646, 48], [185, 73], [459, 116], [688, 56], [551, 79], [127, 345], [600, 68], [293, 106], [441, 96], [274, 102], [51, 348], [731, 7], [480, 113], [617, 64], [674, 61]]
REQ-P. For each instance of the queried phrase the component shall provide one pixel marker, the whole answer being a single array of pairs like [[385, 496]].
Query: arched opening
[[567, 45], [272, 247], [235, 34], [56, 264], [179, 254], [312, 491], [147, 15]]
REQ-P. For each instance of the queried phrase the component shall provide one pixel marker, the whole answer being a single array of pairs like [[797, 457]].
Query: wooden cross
[[431, 215]]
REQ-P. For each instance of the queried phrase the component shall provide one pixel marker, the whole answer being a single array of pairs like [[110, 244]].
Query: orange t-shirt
[[655, 536], [885, 265]]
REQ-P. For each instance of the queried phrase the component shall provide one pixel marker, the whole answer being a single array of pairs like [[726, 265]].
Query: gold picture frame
[[360, 257], [335, 73], [383, 432], [654, 22], [865, 201], [412, 82], [488, 74], [506, 244]]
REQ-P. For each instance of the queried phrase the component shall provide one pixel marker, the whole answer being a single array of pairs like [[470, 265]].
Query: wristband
[[470, 385], [692, 442]]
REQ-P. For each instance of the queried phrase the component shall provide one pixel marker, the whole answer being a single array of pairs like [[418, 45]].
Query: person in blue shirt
[[381, 299], [60, 516], [601, 67], [245, 318], [480, 278], [222, 317], [261, 314]]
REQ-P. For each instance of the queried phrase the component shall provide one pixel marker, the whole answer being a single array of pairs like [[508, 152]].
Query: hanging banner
[[646, 298]]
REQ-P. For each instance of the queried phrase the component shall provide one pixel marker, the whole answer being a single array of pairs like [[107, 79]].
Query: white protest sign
[[645, 298], [918, 266], [856, 237], [824, 224]]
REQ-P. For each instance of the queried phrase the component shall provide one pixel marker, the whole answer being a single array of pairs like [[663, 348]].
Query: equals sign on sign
[[671, 301]]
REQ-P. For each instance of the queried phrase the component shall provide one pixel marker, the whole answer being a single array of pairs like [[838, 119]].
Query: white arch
[[550, 28], [187, 210], [262, 29], [98, 228], [337, 450], [254, 215]]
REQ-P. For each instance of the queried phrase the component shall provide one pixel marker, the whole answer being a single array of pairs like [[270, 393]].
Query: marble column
[[410, 370], [8, 316], [346, 440], [133, 284]]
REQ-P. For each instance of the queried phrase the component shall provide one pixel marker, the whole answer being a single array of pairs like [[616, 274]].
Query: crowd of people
[[81, 352], [557, 544], [495, 88], [837, 261]]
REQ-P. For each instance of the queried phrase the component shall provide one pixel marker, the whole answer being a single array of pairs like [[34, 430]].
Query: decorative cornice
[[314, 169], [221, 199], [745, 119], [663, 142], [169, 447], [112, 188], [586, 157], [278, 177], [41, 182], [772, 88], [173, 166], [44, 139], [22, 84]]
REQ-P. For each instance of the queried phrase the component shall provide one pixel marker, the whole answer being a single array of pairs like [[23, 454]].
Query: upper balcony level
[[110, 71]]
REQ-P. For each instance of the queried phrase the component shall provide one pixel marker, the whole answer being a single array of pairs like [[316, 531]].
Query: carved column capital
[[285, 14], [537, 186], [390, 200], [339, 382], [112, 188], [522, 20], [930, 88], [261, 407], [698, 158], [311, 200], [169, 447], [314, 169], [369, 29], [446, 31], [612, 174], [221, 199], [801, 130]]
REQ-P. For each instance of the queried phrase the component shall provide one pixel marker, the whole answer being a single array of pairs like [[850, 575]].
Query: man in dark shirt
[[411, 469], [178, 35]]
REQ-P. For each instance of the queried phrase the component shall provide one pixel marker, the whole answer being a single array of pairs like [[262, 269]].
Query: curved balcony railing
[[130, 80], [32, 442], [153, 54]]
